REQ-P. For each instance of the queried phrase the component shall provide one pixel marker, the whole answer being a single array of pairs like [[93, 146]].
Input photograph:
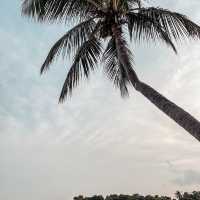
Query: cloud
[[188, 177], [185, 172]]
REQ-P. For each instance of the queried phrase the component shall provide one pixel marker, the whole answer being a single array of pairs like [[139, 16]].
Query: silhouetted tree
[[179, 196]]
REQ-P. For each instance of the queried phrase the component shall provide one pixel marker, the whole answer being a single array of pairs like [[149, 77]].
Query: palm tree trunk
[[180, 116]]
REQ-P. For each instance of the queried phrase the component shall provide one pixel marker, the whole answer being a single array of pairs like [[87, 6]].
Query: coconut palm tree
[[100, 22], [178, 195]]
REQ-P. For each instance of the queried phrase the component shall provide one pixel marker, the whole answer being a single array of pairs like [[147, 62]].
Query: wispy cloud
[[188, 177]]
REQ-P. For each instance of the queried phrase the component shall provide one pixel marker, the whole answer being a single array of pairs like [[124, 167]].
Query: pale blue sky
[[95, 142]]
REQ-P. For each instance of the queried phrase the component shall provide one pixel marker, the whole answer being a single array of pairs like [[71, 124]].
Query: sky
[[96, 142]]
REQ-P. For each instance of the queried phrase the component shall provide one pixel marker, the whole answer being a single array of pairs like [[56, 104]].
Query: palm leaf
[[125, 56], [144, 27], [70, 42], [85, 60], [130, 3], [114, 69], [175, 24], [43, 10], [134, 3]]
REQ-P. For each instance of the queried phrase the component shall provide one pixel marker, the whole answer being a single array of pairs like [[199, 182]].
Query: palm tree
[[99, 22], [178, 195]]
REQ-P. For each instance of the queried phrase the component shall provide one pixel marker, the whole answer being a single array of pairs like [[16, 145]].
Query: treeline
[[178, 196]]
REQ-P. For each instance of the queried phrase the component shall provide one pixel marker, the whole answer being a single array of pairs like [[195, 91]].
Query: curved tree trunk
[[180, 116]]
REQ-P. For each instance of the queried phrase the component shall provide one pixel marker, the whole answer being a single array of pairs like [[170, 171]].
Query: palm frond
[[114, 69], [143, 27], [125, 5], [124, 54], [85, 60], [70, 42], [48, 10], [175, 24], [137, 3]]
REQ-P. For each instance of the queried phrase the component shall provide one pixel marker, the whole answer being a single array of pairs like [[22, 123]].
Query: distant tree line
[[178, 196]]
